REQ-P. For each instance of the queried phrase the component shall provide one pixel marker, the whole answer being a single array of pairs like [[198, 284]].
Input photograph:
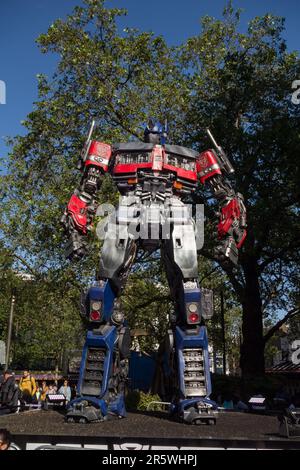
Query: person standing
[[27, 386], [38, 393], [52, 389], [45, 390], [9, 394], [66, 391], [73, 391]]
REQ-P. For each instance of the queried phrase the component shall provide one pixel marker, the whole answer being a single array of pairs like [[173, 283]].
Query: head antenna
[[86, 148], [221, 155]]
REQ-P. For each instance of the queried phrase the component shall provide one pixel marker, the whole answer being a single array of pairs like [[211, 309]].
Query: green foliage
[[145, 402], [147, 302], [244, 94], [141, 401], [46, 321]]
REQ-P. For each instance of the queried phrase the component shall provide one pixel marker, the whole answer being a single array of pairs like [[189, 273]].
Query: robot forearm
[[77, 220], [78, 216], [233, 219], [232, 224]]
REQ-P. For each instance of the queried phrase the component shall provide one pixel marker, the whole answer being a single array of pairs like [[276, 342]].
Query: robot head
[[155, 133]]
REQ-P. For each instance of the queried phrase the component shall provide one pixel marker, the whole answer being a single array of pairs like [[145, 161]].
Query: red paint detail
[[95, 315], [229, 213], [157, 158], [77, 209], [181, 172], [187, 174], [205, 160], [130, 167], [133, 167], [100, 149], [240, 243], [194, 318]]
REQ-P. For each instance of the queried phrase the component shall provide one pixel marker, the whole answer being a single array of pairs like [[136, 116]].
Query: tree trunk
[[252, 348]]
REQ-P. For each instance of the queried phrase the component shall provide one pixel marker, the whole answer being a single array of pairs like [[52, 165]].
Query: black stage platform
[[148, 431]]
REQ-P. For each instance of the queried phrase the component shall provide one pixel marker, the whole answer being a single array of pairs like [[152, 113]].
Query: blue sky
[[21, 21]]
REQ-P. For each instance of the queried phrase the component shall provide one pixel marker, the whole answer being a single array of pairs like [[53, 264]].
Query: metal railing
[[158, 403]]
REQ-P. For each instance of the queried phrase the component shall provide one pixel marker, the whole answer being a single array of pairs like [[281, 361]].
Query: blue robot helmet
[[154, 132]]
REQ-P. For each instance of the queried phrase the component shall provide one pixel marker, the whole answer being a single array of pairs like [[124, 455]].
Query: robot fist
[[76, 246], [227, 250]]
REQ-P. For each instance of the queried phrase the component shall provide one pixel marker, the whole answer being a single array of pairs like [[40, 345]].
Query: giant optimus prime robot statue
[[153, 177]]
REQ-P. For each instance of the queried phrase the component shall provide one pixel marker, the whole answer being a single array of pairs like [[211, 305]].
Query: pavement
[[230, 425]]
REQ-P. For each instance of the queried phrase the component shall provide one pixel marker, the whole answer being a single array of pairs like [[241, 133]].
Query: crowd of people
[[28, 391], [279, 401]]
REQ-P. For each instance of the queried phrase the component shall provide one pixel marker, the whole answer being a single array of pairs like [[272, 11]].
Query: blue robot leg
[[186, 356], [186, 372], [103, 372], [192, 403], [104, 363]]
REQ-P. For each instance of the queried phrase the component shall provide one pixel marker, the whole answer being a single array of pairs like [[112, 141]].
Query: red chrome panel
[[130, 167], [207, 165], [99, 155], [229, 213], [77, 210], [100, 149]]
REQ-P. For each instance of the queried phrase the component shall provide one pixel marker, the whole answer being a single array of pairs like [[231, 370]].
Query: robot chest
[[132, 168]]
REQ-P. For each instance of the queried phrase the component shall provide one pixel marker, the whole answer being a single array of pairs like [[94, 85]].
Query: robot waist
[[148, 184], [151, 212]]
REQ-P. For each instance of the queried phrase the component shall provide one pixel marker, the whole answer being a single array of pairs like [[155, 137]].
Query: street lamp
[[223, 330], [10, 325]]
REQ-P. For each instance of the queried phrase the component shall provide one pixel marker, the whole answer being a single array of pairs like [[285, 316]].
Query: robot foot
[[84, 413], [83, 410], [196, 411]]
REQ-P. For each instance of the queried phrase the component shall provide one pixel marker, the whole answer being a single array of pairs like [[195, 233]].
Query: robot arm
[[211, 166], [78, 217]]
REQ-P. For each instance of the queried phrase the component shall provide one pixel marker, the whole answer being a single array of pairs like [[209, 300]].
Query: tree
[[242, 88], [46, 323], [116, 78], [238, 84]]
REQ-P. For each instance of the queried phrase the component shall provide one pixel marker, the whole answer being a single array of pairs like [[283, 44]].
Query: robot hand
[[231, 229], [76, 246]]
